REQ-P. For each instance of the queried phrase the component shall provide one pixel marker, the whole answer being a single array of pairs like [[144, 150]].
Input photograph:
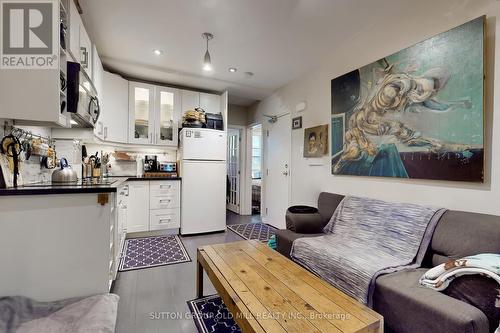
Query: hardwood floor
[[148, 296]]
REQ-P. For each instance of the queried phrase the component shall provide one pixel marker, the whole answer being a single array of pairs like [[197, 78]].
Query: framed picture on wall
[[417, 113], [297, 123], [316, 141]]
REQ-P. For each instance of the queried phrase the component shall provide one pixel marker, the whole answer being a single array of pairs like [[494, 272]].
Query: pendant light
[[207, 62]]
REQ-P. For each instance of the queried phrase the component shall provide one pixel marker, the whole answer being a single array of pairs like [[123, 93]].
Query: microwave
[[82, 101]]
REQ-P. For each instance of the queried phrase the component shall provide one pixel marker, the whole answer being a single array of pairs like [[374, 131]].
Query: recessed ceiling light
[[232, 70], [157, 52]]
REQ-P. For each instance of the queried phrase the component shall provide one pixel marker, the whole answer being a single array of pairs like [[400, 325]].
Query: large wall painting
[[417, 113]]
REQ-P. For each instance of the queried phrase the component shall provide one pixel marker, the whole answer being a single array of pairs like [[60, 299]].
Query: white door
[[277, 175], [203, 193], [233, 170]]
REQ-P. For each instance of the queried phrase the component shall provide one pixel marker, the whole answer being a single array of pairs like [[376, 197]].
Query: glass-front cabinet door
[[166, 115], [141, 113]]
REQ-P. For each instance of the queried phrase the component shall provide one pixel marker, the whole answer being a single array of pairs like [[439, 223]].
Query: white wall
[[420, 20]]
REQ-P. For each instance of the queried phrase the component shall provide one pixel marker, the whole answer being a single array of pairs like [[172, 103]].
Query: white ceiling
[[278, 40]]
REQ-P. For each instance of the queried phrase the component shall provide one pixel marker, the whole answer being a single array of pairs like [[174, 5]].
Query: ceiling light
[[157, 52], [232, 70], [207, 62]]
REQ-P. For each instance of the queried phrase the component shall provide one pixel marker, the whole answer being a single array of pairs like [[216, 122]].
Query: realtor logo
[[28, 35]]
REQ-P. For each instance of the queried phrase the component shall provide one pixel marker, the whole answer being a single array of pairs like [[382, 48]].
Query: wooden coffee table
[[266, 292]]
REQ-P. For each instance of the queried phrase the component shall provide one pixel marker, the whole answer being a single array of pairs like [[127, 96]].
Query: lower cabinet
[[153, 205], [138, 206]]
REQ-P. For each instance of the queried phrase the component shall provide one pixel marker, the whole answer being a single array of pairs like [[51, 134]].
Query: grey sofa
[[406, 306]]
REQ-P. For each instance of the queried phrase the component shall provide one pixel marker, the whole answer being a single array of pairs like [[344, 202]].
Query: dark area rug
[[154, 251], [259, 231], [210, 315]]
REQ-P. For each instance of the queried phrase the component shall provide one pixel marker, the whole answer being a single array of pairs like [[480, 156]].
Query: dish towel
[[440, 277]]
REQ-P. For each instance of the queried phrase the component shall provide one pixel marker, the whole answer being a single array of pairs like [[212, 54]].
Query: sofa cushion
[[460, 234], [410, 308], [285, 238], [327, 203]]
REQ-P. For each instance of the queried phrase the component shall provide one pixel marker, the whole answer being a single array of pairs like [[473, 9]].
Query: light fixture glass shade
[[207, 62]]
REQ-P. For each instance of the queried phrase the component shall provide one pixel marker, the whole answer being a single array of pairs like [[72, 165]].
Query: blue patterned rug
[[259, 231], [210, 315], [154, 251]]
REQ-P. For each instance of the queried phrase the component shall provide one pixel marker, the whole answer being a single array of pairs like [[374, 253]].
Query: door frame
[[243, 208], [265, 137]]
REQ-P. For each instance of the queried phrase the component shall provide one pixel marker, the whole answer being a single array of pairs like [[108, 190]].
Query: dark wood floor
[[154, 292]]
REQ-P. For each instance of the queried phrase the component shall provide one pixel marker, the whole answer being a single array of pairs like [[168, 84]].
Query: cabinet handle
[[105, 132], [165, 220], [165, 200], [166, 186]]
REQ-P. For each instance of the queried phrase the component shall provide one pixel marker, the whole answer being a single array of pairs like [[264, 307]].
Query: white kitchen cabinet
[[80, 45], [164, 219], [61, 245], [153, 114], [36, 97], [163, 208], [167, 116], [189, 100], [138, 206], [141, 113], [114, 111], [85, 51], [74, 31], [97, 73], [210, 103]]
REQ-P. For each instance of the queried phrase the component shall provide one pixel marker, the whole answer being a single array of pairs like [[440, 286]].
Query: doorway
[[233, 170], [256, 168], [277, 173]]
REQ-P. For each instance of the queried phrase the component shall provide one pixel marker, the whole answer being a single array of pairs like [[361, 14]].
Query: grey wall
[[237, 115]]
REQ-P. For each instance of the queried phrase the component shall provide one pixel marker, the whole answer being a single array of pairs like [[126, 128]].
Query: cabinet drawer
[[164, 202], [158, 188], [164, 219]]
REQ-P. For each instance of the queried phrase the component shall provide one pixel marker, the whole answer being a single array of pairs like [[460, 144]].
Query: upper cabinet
[[80, 45], [190, 100], [167, 113], [153, 114], [114, 115], [141, 112], [210, 103]]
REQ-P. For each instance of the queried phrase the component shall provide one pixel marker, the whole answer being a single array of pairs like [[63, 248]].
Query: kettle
[[64, 174]]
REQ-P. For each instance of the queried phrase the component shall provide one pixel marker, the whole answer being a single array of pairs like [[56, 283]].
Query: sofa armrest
[[304, 223]]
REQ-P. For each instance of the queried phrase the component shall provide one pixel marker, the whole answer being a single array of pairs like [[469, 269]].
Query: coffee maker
[[150, 163]]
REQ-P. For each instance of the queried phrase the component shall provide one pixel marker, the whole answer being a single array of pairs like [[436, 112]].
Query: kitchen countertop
[[110, 185]]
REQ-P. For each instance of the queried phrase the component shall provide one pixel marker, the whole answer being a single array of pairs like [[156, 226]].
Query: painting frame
[[316, 141], [418, 113]]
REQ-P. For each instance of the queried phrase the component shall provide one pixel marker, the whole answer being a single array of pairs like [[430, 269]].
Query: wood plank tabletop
[[266, 292]]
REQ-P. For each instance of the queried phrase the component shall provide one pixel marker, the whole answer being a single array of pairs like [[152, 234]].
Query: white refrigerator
[[203, 170]]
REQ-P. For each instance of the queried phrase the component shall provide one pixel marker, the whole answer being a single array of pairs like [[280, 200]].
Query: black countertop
[[108, 186]]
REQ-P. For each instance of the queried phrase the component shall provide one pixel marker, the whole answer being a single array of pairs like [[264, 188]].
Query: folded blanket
[[440, 277], [366, 238]]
